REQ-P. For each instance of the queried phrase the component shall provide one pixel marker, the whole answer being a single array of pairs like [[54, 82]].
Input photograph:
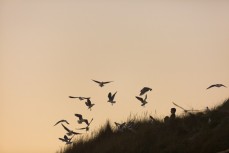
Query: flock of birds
[[111, 99]]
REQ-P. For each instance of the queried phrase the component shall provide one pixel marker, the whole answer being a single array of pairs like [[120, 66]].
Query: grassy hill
[[190, 133]]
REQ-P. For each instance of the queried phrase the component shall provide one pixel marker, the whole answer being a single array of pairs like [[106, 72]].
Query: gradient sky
[[51, 49]]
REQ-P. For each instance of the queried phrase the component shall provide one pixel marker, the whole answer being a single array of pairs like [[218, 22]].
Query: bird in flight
[[89, 104], [143, 101], [61, 121], [120, 126], [111, 98], [87, 127], [80, 98], [144, 90], [185, 110], [81, 119], [66, 139], [70, 132], [101, 84], [216, 85]]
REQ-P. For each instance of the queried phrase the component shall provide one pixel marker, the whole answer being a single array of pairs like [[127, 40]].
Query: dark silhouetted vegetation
[[203, 132]]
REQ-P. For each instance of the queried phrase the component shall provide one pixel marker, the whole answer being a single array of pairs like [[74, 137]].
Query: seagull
[[111, 98], [89, 104], [70, 132], [216, 85], [101, 84], [152, 119], [66, 139], [81, 119], [80, 98], [61, 122], [143, 101], [185, 110], [120, 126], [144, 90], [87, 127]]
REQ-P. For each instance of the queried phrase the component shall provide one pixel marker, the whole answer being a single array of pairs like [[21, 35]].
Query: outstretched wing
[[107, 82], [90, 121], [211, 86], [72, 97], [114, 95], [139, 98], [66, 128], [81, 128], [109, 96], [62, 139], [96, 81], [79, 116], [179, 106]]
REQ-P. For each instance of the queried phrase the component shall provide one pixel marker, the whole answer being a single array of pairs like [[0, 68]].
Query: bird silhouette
[[216, 85], [89, 104], [101, 83], [144, 90], [143, 101], [80, 98], [61, 121], [66, 139], [81, 119], [70, 132], [87, 127], [111, 98]]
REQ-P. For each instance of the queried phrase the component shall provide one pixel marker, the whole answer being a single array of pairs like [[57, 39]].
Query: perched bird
[[61, 121], [185, 110], [80, 98], [101, 84], [120, 126], [144, 90], [87, 127], [143, 101], [89, 104], [111, 98], [81, 119], [66, 139], [216, 85], [152, 119], [70, 132]]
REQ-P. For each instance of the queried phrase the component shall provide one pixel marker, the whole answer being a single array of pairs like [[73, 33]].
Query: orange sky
[[50, 50]]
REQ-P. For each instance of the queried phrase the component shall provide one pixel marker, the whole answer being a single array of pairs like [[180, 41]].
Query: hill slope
[[191, 133]]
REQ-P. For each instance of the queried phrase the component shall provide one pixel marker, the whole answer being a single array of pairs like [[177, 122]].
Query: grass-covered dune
[[190, 133]]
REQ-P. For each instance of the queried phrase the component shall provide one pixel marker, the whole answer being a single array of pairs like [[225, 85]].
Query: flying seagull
[[80, 98], [81, 119], [101, 84], [111, 98], [61, 121], [89, 104], [143, 101], [216, 85], [185, 110], [70, 132], [66, 139], [144, 90], [87, 127]]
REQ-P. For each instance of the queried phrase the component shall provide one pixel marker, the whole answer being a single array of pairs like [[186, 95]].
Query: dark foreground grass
[[191, 133]]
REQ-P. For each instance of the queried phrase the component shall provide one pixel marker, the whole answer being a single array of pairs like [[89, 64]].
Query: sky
[[52, 49]]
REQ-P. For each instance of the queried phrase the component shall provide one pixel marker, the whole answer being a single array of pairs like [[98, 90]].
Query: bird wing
[[117, 124], [107, 82], [90, 121], [86, 121], [144, 90], [62, 139], [145, 98], [211, 86], [81, 128], [114, 95], [109, 96], [79, 116], [223, 85], [151, 117], [72, 97], [75, 133], [96, 81], [66, 128], [139, 98], [58, 122], [179, 106]]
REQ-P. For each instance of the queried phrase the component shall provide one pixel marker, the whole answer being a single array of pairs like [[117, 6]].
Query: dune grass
[[190, 133]]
